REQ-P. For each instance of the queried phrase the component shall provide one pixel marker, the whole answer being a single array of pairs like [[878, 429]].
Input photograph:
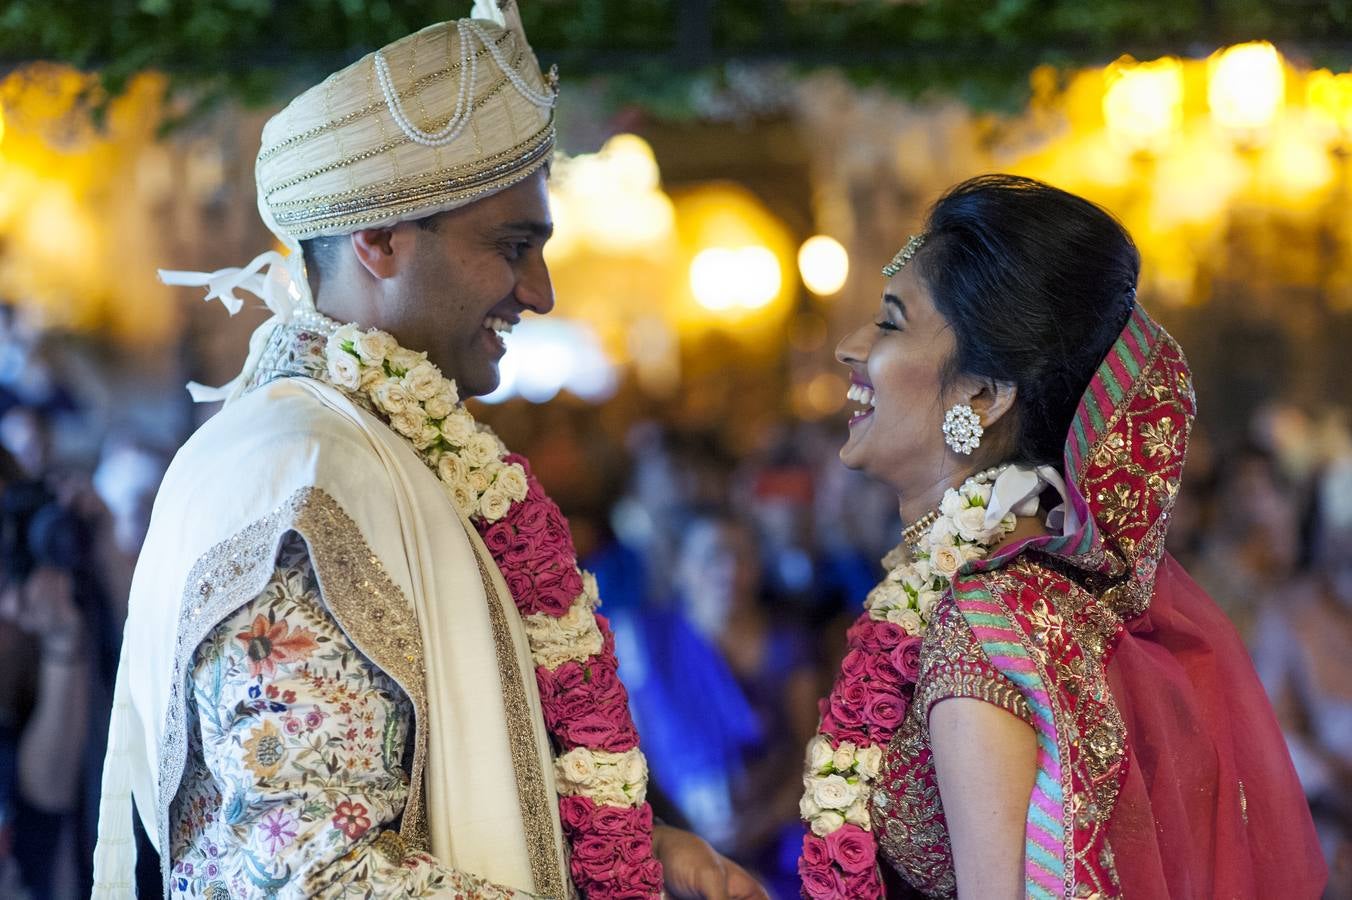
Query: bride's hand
[[695, 871]]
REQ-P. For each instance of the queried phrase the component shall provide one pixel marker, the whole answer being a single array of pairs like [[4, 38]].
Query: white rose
[[972, 551], [591, 591], [391, 397], [478, 480], [941, 533], [494, 504], [480, 450], [946, 560], [409, 422], [633, 768], [833, 792], [374, 346], [463, 498], [971, 523], [371, 377], [430, 435], [401, 360], [843, 759], [857, 814], [977, 494], [423, 381], [345, 334], [869, 760], [439, 407], [458, 428], [577, 768], [924, 572], [451, 469], [951, 503], [819, 753], [925, 601], [344, 370], [512, 481], [827, 822], [908, 620], [808, 808]]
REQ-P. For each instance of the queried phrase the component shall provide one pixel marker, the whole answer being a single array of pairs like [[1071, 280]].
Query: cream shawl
[[404, 575]]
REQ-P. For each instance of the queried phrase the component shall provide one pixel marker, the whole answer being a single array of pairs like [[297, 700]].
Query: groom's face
[[469, 273]]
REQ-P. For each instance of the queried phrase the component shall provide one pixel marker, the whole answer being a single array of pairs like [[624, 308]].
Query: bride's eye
[[887, 326]]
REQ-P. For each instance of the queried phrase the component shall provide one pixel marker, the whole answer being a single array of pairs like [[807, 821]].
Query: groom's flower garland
[[869, 699], [602, 776]]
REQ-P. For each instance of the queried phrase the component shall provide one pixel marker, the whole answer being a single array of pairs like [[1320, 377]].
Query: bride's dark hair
[[1037, 283]]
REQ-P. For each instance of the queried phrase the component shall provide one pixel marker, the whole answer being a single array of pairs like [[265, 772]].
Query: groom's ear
[[379, 249]]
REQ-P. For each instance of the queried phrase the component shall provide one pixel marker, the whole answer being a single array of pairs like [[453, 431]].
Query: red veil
[[1162, 770]]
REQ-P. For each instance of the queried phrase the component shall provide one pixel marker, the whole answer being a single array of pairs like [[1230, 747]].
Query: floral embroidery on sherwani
[[295, 778]]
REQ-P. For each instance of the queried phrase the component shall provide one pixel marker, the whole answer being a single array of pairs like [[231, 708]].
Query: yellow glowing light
[[823, 264], [611, 201], [1329, 98], [2, 122], [1246, 87], [724, 279], [1298, 166], [1143, 106]]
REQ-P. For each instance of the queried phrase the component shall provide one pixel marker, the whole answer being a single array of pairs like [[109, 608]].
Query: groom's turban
[[431, 122]]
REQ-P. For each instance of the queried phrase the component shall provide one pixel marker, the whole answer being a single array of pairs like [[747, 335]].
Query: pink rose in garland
[[585, 704]]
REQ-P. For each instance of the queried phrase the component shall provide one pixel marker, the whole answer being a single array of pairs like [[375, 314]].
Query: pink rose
[[861, 634], [576, 812], [596, 850], [852, 848], [821, 882], [498, 538], [614, 821], [519, 460], [522, 589], [814, 851], [885, 709], [881, 669], [847, 701], [864, 884], [854, 665], [610, 729], [906, 658], [887, 634], [634, 850]]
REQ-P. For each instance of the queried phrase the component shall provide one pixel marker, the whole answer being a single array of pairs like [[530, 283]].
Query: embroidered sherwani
[[327, 688]]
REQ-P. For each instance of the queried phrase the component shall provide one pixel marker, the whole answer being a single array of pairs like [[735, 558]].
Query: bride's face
[[899, 357]]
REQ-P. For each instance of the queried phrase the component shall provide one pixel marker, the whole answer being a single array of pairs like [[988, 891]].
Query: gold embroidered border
[[532, 795], [377, 618]]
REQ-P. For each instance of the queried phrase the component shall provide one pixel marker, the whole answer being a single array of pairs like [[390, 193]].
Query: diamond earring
[[962, 429]]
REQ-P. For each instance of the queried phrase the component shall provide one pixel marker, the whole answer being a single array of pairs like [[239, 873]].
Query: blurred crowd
[[729, 571]]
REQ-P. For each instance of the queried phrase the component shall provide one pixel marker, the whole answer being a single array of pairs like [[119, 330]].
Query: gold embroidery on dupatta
[[532, 794]]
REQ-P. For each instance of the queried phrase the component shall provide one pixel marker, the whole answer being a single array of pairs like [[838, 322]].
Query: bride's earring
[[962, 429]]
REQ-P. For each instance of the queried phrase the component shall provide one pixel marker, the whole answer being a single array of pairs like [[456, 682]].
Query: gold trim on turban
[[344, 155]]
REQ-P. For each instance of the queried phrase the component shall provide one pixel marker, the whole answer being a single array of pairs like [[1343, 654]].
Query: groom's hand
[[695, 871]]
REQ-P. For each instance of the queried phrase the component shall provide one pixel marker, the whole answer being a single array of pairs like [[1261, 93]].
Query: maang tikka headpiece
[[904, 255]]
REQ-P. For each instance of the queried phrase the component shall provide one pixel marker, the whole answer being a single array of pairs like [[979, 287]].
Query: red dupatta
[[1162, 771]]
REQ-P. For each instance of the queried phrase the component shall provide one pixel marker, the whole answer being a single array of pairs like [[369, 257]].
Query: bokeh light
[[823, 264], [727, 279], [1143, 103], [1246, 88]]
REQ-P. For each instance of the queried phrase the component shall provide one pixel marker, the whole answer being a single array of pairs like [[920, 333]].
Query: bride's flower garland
[[601, 774], [869, 699]]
